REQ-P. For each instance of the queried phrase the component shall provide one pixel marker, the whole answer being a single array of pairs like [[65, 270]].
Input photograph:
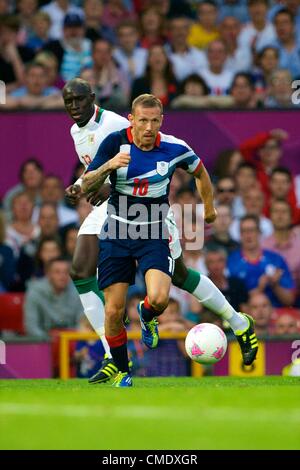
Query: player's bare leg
[[158, 287], [210, 296], [115, 302], [83, 273]]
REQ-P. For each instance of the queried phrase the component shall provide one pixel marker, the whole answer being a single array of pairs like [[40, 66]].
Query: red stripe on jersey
[[198, 167], [129, 134]]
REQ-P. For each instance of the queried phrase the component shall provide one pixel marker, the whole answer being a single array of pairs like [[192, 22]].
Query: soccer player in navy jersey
[[140, 162]]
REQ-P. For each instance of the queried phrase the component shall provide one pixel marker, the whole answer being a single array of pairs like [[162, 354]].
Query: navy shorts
[[118, 259]]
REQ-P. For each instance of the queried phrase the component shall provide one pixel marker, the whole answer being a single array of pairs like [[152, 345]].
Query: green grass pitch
[[160, 413]]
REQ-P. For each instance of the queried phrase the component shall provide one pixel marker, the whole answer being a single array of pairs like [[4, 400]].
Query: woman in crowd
[[152, 28], [21, 229], [159, 78]]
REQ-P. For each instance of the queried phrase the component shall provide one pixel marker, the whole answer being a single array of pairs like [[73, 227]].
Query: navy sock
[[148, 313], [118, 349]]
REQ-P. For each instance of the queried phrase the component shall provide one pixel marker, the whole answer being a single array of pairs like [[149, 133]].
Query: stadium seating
[[11, 312]]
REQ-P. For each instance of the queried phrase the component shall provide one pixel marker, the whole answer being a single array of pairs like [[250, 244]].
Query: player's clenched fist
[[210, 215], [73, 193], [119, 161]]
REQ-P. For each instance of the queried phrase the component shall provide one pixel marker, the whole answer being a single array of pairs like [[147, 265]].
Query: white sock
[[211, 297], [94, 311]]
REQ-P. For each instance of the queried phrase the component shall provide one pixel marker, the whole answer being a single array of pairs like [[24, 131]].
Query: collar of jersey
[[98, 114], [130, 137]]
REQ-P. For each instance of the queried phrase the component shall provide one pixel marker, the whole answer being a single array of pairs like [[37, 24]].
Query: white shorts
[[174, 240], [94, 222]]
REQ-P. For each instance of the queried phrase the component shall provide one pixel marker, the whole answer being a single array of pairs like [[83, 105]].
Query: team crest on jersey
[[162, 168], [91, 139]]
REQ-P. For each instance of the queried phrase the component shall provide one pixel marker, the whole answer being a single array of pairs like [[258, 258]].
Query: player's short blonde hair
[[146, 101]]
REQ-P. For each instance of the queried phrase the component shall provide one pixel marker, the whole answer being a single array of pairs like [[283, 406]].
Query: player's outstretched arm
[[206, 192], [94, 180]]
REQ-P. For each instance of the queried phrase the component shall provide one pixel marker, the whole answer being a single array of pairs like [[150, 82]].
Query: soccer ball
[[206, 343]]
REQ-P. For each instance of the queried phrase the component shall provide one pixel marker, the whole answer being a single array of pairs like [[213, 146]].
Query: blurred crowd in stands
[[251, 252], [190, 53]]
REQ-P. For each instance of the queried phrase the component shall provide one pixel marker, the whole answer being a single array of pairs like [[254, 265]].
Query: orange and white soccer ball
[[206, 343]]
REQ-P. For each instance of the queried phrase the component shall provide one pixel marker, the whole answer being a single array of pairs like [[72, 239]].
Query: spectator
[[107, 80], [130, 57], [217, 77], [50, 63], [227, 163], [26, 10], [185, 59], [253, 202], [35, 94], [289, 57], [12, 56], [243, 91], [21, 229], [48, 219], [52, 302], [172, 319], [52, 192], [159, 78], [57, 10], [39, 36], [260, 308], [70, 238], [232, 287], [48, 248], [49, 229], [131, 310], [239, 57], [220, 236], [7, 259], [259, 32], [262, 270], [285, 325], [225, 191], [5, 7], [73, 51], [264, 150], [245, 180], [210, 317], [233, 8], [94, 27], [281, 188], [193, 312], [115, 12], [205, 30], [284, 241], [267, 64], [31, 175], [195, 94], [279, 93], [152, 28]]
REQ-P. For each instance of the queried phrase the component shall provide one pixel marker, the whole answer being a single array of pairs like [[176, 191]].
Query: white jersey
[[87, 139]]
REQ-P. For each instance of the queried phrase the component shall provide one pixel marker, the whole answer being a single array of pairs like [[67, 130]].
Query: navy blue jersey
[[147, 178]]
